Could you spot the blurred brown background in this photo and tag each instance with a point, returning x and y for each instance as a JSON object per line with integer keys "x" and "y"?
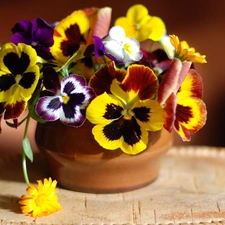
{"x": 200, "y": 22}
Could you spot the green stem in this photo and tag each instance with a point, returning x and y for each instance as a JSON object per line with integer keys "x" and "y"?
{"x": 24, "y": 163}
{"x": 151, "y": 46}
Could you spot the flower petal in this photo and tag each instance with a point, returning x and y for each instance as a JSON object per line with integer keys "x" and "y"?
{"x": 48, "y": 108}
{"x": 170, "y": 109}
{"x": 190, "y": 117}
{"x": 184, "y": 52}
{"x": 13, "y": 111}
{"x": 169, "y": 81}
{"x": 192, "y": 86}
{"x": 140, "y": 80}
{"x": 121, "y": 133}
{"x": 102, "y": 79}
{"x": 99, "y": 22}
{"x": 51, "y": 79}
{"x": 43, "y": 201}
{"x": 103, "y": 109}
{"x": 150, "y": 115}
{"x": 69, "y": 34}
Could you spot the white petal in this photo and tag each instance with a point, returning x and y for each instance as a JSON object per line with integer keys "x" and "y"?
{"x": 115, "y": 49}
{"x": 117, "y": 33}
{"x": 45, "y": 108}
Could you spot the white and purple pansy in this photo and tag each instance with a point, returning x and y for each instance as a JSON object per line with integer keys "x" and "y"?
{"x": 67, "y": 101}
{"x": 124, "y": 49}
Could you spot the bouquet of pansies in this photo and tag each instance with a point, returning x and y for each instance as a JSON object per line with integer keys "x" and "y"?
{"x": 126, "y": 79}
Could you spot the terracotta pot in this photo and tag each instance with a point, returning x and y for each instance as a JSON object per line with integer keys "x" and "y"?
{"x": 78, "y": 162}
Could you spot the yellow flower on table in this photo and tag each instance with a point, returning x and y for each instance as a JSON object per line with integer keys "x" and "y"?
{"x": 42, "y": 201}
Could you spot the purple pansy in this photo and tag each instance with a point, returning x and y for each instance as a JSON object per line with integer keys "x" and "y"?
{"x": 38, "y": 34}
{"x": 66, "y": 101}
{"x": 99, "y": 50}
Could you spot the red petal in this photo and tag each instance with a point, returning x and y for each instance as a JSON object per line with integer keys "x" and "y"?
{"x": 170, "y": 109}
{"x": 192, "y": 86}
{"x": 100, "y": 20}
{"x": 169, "y": 81}
{"x": 140, "y": 79}
{"x": 183, "y": 73}
{"x": 102, "y": 79}
{"x": 15, "y": 110}
{"x": 190, "y": 117}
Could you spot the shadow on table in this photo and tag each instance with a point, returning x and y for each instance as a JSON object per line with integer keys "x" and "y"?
{"x": 10, "y": 203}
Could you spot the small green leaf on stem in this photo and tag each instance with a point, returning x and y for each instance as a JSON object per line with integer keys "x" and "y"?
{"x": 27, "y": 149}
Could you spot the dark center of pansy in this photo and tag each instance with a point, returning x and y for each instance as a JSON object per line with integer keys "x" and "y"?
{"x": 183, "y": 115}
{"x": 27, "y": 80}
{"x": 129, "y": 129}
{"x": 15, "y": 64}
{"x": 142, "y": 113}
{"x": 6, "y": 81}
{"x": 113, "y": 111}
{"x": 74, "y": 39}
{"x": 54, "y": 104}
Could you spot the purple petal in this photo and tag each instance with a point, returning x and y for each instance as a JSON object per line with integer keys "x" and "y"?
{"x": 99, "y": 47}
{"x": 75, "y": 120}
{"x": 42, "y": 32}
{"x": 48, "y": 108}
{"x": 23, "y": 25}
{"x": 20, "y": 38}
{"x": 73, "y": 84}
{"x": 22, "y": 32}
{"x": 43, "y": 52}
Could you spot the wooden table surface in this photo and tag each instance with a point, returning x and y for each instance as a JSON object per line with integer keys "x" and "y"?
{"x": 189, "y": 190}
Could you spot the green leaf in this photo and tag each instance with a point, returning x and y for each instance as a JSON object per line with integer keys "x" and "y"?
{"x": 31, "y": 107}
{"x": 12, "y": 124}
{"x": 27, "y": 149}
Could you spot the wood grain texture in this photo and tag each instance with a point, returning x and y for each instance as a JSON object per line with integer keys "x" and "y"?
{"x": 189, "y": 190}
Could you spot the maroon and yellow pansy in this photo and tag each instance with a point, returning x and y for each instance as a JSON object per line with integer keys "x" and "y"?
{"x": 185, "y": 109}
{"x": 19, "y": 75}
{"x": 126, "y": 110}
{"x": 190, "y": 109}
{"x": 69, "y": 34}
{"x": 77, "y": 30}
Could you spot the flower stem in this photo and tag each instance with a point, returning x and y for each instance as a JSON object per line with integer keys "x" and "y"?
{"x": 24, "y": 163}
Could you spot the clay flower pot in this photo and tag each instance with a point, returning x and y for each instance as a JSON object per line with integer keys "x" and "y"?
{"x": 79, "y": 163}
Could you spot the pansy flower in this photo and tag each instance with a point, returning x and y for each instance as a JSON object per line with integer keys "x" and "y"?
{"x": 69, "y": 34}
{"x": 190, "y": 110}
{"x": 19, "y": 76}
{"x": 38, "y": 34}
{"x": 124, "y": 49}
{"x": 180, "y": 93}
{"x": 124, "y": 114}
{"x": 140, "y": 25}
{"x": 76, "y": 30}
{"x": 67, "y": 100}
